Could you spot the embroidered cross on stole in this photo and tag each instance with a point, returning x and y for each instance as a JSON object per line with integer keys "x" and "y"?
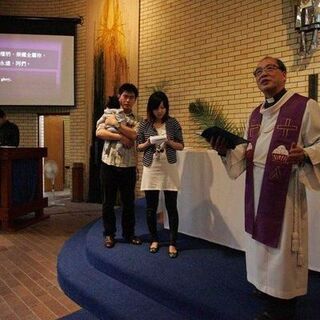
{"x": 266, "y": 225}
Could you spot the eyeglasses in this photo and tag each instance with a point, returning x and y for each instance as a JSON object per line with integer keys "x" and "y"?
{"x": 128, "y": 96}
{"x": 268, "y": 69}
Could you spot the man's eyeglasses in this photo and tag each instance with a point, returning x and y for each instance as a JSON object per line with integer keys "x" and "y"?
{"x": 268, "y": 69}
{"x": 128, "y": 96}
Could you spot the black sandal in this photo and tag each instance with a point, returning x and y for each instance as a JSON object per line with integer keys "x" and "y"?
{"x": 172, "y": 254}
{"x": 154, "y": 248}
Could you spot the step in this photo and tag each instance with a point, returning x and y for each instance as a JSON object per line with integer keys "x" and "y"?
{"x": 82, "y": 314}
{"x": 103, "y": 296}
{"x": 195, "y": 284}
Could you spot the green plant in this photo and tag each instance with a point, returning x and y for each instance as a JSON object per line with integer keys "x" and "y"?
{"x": 210, "y": 114}
{"x": 160, "y": 86}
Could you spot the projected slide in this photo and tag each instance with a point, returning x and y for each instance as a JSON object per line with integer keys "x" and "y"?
{"x": 36, "y": 70}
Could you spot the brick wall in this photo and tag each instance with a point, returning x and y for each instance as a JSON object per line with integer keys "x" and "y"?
{"x": 204, "y": 48}
{"x": 208, "y": 49}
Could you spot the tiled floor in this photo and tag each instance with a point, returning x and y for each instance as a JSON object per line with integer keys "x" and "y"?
{"x": 28, "y": 276}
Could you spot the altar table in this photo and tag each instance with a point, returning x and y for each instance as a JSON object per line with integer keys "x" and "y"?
{"x": 211, "y": 205}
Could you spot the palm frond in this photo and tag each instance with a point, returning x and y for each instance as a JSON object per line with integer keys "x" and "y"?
{"x": 209, "y": 114}
{"x": 160, "y": 86}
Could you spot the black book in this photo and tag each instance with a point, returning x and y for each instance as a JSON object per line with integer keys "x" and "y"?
{"x": 215, "y": 132}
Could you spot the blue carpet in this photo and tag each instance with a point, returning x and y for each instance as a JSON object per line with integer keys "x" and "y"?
{"x": 79, "y": 315}
{"x": 103, "y": 296}
{"x": 206, "y": 281}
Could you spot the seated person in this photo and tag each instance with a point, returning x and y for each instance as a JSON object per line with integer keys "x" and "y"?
{"x": 9, "y": 132}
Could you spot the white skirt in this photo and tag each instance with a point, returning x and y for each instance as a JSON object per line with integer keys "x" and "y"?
{"x": 161, "y": 175}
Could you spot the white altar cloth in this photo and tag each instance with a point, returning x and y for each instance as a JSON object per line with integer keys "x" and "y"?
{"x": 211, "y": 205}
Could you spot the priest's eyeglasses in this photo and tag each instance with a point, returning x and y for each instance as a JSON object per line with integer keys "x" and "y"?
{"x": 268, "y": 69}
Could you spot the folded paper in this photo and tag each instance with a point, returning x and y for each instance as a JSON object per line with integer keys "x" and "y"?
{"x": 158, "y": 139}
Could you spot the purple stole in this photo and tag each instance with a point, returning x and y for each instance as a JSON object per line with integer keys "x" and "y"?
{"x": 266, "y": 226}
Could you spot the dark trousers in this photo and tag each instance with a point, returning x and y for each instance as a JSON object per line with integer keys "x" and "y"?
{"x": 114, "y": 179}
{"x": 152, "y": 199}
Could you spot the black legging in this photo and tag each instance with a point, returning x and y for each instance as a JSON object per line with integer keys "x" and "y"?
{"x": 152, "y": 199}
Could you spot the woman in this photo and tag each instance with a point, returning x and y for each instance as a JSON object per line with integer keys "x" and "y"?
{"x": 159, "y": 136}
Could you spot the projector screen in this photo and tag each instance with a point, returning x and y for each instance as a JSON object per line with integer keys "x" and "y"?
{"x": 36, "y": 70}
{"x": 37, "y": 61}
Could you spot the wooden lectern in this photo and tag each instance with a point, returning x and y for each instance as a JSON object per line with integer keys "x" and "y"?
{"x": 21, "y": 187}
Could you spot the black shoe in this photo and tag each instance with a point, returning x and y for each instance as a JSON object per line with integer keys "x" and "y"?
{"x": 263, "y": 316}
{"x": 154, "y": 248}
{"x": 134, "y": 240}
{"x": 109, "y": 242}
{"x": 259, "y": 294}
{"x": 172, "y": 254}
{"x": 267, "y": 315}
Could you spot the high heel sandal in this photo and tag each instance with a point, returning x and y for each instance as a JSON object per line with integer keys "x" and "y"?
{"x": 154, "y": 248}
{"x": 173, "y": 254}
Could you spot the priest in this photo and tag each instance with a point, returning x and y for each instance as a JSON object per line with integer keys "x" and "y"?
{"x": 281, "y": 158}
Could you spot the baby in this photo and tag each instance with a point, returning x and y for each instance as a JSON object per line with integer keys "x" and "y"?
{"x": 113, "y": 108}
